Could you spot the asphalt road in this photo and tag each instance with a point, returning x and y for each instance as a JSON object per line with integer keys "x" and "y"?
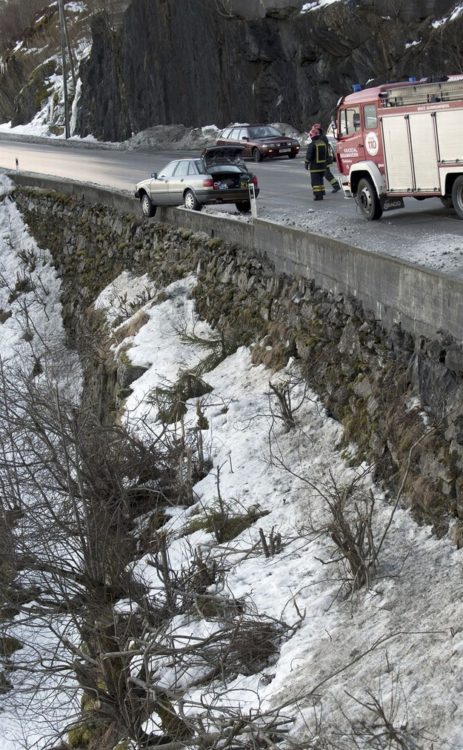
{"x": 423, "y": 232}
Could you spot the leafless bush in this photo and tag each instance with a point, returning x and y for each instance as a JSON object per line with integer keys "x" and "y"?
{"x": 351, "y": 523}
{"x": 385, "y": 725}
{"x": 273, "y": 545}
{"x": 376, "y": 720}
{"x": 219, "y": 345}
{"x": 70, "y": 490}
{"x": 222, "y": 519}
{"x": 170, "y": 400}
{"x": 285, "y": 389}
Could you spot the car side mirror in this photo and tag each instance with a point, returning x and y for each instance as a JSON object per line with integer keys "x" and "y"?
{"x": 283, "y": 133}
{"x": 154, "y": 175}
{"x": 245, "y": 138}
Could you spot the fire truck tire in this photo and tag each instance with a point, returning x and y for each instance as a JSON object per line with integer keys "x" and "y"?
{"x": 457, "y": 196}
{"x": 368, "y": 201}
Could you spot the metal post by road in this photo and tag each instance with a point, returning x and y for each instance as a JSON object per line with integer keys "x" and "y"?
{"x": 63, "y": 59}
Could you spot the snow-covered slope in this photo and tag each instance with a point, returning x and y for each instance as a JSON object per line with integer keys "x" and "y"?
{"x": 379, "y": 667}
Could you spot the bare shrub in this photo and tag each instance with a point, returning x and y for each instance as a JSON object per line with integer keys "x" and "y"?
{"x": 273, "y": 545}
{"x": 219, "y": 345}
{"x": 375, "y": 720}
{"x": 70, "y": 491}
{"x": 170, "y": 400}
{"x": 286, "y": 389}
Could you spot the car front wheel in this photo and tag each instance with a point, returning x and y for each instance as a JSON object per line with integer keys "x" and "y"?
{"x": 243, "y": 207}
{"x": 368, "y": 201}
{"x": 256, "y": 154}
{"x": 146, "y": 206}
{"x": 190, "y": 201}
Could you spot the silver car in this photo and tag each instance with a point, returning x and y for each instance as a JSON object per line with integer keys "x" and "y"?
{"x": 217, "y": 176}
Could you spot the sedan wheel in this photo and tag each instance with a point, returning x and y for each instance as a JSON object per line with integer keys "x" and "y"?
{"x": 146, "y": 206}
{"x": 256, "y": 154}
{"x": 190, "y": 201}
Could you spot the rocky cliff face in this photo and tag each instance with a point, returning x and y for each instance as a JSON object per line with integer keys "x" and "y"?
{"x": 198, "y": 62}
{"x": 201, "y": 62}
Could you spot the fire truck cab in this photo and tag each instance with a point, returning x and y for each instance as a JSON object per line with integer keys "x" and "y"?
{"x": 402, "y": 140}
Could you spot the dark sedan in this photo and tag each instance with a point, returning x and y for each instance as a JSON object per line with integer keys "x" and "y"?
{"x": 259, "y": 141}
{"x": 217, "y": 176}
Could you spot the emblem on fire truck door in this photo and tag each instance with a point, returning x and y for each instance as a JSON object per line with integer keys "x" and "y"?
{"x": 372, "y": 144}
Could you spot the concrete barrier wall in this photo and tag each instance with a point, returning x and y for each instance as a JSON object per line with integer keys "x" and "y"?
{"x": 421, "y": 300}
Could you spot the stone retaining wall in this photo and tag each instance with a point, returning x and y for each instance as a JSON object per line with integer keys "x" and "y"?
{"x": 398, "y": 395}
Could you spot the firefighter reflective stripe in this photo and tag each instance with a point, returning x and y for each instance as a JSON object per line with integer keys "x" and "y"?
{"x": 321, "y": 156}
{"x": 316, "y": 178}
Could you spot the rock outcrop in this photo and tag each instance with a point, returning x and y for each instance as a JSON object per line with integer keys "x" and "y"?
{"x": 198, "y": 62}
{"x": 201, "y": 62}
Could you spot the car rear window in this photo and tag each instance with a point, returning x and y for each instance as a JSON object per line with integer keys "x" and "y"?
{"x": 227, "y": 167}
{"x": 263, "y": 131}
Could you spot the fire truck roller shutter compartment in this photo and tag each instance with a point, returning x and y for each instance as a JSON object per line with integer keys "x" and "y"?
{"x": 397, "y": 154}
{"x": 411, "y": 153}
{"x": 450, "y": 135}
{"x": 424, "y": 150}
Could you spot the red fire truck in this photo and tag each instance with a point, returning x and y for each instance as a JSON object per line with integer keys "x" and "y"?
{"x": 402, "y": 140}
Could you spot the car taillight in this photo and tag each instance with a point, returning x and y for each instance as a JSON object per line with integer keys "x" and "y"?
{"x": 208, "y": 183}
{"x": 254, "y": 180}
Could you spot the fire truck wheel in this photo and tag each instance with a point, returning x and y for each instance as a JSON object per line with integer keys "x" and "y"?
{"x": 367, "y": 199}
{"x": 457, "y": 196}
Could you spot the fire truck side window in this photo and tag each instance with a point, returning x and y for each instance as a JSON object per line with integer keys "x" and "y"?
{"x": 371, "y": 119}
{"x": 349, "y": 121}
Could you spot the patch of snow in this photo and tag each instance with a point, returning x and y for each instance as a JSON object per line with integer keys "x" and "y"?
{"x": 457, "y": 11}
{"x": 396, "y": 641}
{"x": 75, "y": 7}
{"x": 317, "y": 4}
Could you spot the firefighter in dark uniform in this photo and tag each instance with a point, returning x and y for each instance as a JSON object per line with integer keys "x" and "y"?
{"x": 317, "y": 161}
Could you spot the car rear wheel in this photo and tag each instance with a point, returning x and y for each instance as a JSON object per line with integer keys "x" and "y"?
{"x": 146, "y": 206}
{"x": 256, "y": 154}
{"x": 190, "y": 201}
{"x": 368, "y": 201}
{"x": 243, "y": 207}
